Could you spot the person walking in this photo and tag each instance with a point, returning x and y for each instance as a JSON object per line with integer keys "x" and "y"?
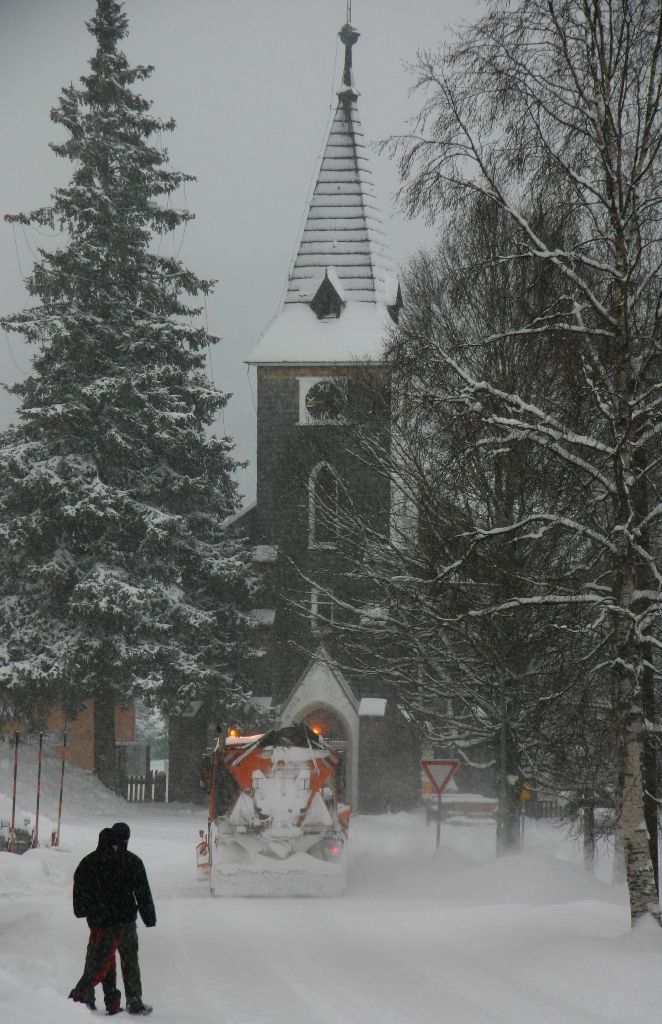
{"x": 96, "y": 882}
{"x": 110, "y": 889}
{"x": 137, "y": 899}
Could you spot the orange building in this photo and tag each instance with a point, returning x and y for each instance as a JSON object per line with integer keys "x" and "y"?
{"x": 80, "y": 732}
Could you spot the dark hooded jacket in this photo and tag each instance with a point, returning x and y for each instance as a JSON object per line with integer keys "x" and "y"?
{"x": 111, "y": 887}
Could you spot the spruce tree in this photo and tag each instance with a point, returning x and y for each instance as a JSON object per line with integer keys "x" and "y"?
{"x": 118, "y": 578}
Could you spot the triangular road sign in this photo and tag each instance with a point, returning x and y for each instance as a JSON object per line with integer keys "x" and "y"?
{"x": 440, "y": 771}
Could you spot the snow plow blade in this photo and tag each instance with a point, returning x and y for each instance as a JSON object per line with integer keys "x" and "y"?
{"x": 284, "y": 833}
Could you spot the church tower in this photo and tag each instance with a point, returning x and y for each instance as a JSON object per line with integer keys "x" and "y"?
{"x": 325, "y": 342}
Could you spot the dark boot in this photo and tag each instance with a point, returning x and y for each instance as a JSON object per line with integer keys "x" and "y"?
{"x": 137, "y": 1007}
{"x": 79, "y": 996}
{"x": 112, "y": 997}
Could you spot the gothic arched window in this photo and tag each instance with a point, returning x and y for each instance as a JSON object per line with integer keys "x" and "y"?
{"x": 323, "y": 507}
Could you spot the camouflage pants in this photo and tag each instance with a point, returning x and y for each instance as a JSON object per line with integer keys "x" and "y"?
{"x": 100, "y": 968}
{"x": 128, "y": 951}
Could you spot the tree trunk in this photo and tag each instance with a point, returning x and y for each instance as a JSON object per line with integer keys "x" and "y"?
{"x": 618, "y": 876}
{"x": 588, "y": 833}
{"x": 629, "y": 653}
{"x": 507, "y": 825}
{"x": 646, "y": 581}
{"x": 508, "y": 820}
{"x": 638, "y": 863}
{"x": 649, "y": 770}
{"x": 105, "y": 763}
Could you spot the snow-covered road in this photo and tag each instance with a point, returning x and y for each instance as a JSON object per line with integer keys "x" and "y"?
{"x": 457, "y": 938}
{"x": 416, "y": 938}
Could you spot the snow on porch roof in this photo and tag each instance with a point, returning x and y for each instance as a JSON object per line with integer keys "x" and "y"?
{"x": 261, "y": 616}
{"x": 373, "y": 707}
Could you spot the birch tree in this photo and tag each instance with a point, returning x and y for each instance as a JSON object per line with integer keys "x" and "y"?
{"x": 476, "y": 684}
{"x": 544, "y": 104}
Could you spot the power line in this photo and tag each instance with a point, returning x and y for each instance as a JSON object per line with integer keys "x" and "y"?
{"x": 18, "y": 256}
{"x": 250, "y": 385}
{"x": 20, "y": 369}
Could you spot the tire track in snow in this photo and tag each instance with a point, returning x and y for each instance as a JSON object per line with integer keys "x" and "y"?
{"x": 204, "y": 981}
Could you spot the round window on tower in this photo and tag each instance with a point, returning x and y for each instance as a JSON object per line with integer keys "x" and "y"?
{"x": 324, "y": 401}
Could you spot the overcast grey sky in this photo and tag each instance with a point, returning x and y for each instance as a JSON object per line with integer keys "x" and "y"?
{"x": 250, "y": 84}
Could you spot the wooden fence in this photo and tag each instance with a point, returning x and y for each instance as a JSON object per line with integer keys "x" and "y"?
{"x": 147, "y": 788}
{"x": 543, "y": 807}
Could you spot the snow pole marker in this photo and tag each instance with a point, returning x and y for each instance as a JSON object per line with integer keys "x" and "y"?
{"x": 35, "y": 834}
{"x": 55, "y": 837}
{"x": 11, "y": 841}
{"x": 524, "y": 796}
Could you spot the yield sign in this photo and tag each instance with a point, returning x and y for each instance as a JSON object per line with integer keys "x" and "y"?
{"x": 440, "y": 771}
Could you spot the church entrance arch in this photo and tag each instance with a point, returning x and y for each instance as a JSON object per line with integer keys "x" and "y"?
{"x": 324, "y": 722}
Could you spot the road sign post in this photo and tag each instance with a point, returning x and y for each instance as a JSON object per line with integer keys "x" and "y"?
{"x": 525, "y": 794}
{"x": 440, "y": 771}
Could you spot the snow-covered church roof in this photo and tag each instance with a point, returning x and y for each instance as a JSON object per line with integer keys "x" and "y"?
{"x": 342, "y": 289}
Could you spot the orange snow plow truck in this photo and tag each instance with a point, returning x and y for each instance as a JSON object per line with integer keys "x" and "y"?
{"x": 275, "y": 825}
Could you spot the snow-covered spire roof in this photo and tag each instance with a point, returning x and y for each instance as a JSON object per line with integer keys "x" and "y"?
{"x": 342, "y": 258}
{"x": 343, "y": 229}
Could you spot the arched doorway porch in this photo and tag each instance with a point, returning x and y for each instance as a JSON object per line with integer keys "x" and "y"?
{"x": 324, "y": 722}
{"x": 322, "y": 699}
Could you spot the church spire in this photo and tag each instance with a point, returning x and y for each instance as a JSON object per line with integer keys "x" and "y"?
{"x": 342, "y": 269}
{"x": 343, "y": 231}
